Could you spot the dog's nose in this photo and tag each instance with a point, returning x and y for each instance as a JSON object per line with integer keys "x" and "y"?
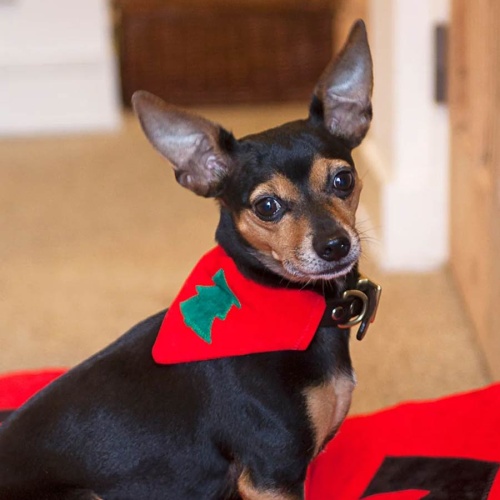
{"x": 333, "y": 249}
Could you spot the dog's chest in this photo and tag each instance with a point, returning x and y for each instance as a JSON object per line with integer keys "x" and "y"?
{"x": 327, "y": 406}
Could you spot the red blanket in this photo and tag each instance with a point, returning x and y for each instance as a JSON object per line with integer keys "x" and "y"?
{"x": 448, "y": 449}
{"x": 16, "y": 388}
{"x": 443, "y": 449}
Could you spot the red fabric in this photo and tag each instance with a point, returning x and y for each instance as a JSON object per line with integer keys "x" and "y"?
{"x": 16, "y": 388}
{"x": 269, "y": 319}
{"x": 466, "y": 426}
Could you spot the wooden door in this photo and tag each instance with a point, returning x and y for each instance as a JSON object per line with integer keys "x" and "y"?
{"x": 474, "y": 95}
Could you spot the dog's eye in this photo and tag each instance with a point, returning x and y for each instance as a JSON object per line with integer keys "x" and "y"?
{"x": 343, "y": 181}
{"x": 268, "y": 209}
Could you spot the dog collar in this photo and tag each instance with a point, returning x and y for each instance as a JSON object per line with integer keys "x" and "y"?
{"x": 220, "y": 313}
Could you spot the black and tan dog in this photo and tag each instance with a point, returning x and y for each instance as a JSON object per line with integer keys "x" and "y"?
{"x": 122, "y": 426}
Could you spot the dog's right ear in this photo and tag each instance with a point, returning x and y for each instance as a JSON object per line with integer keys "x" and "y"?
{"x": 191, "y": 143}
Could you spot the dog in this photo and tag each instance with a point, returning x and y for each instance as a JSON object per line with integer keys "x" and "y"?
{"x": 161, "y": 413}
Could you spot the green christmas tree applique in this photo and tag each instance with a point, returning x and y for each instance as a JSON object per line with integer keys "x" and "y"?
{"x": 210, "y": 302}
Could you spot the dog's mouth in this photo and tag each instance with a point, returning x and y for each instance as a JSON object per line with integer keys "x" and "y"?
{"x": 298, "y": 273}
{"x": 334, "y": 272}
{"x": 303, "y": 265}
{"x": 306, "y": 272}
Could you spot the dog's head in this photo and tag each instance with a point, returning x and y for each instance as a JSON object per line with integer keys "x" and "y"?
{"x": 288, "y": 195}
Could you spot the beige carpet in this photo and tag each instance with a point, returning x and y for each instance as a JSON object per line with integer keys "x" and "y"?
{"x": 95, "y": 234}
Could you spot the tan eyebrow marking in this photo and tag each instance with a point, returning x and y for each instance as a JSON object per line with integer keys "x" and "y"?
{"x": 320, "y": 169}
{"x": 279, "y": 186}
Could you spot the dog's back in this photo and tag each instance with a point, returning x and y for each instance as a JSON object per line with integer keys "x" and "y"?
{"x": 133, "y": 429}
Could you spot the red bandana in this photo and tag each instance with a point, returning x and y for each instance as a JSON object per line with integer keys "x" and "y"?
{"x": 220, "y": 313}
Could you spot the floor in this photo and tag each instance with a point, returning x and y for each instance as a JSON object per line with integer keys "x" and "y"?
{"x": 96, "y": 234}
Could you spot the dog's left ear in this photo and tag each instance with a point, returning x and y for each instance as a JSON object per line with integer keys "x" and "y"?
{"x": 191, "y": 143}
{"x": 345, "y": 89}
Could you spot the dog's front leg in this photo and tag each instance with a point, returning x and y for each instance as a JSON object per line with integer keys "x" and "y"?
{"x": 249, "y": 490}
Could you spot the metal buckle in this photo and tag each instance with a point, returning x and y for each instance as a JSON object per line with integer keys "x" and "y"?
{"x": 369, "y": 294}
{"x": 359, "y": 317}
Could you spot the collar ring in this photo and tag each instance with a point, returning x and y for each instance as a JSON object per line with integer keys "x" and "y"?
{"x": 364, "y": 308}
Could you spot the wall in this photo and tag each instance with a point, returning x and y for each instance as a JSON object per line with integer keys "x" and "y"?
{"x": 57, "y": 71}
{"x": 406, "y": 151}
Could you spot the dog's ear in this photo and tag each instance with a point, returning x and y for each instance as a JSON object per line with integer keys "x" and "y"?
{"x": 191, "y": 143}
{"x": 345, "y": 89}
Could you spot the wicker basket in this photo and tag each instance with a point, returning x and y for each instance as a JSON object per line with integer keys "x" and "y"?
{"x": 216, "y": 52}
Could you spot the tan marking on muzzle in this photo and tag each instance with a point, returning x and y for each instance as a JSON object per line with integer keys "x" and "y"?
{"x": 281, "y": 237}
